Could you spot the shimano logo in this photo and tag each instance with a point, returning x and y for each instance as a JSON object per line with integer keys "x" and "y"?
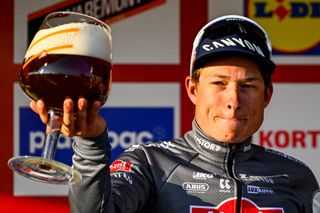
{"x": 206, "y": 144}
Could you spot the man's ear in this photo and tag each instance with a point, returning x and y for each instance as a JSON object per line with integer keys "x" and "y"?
{"x": 191, "y": 88}
{"x": 268, "y": 94}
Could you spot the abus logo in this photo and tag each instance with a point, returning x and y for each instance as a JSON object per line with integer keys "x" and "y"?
{"x": 195, "y": 187}
{"x": 282, "y": 18}
{"x": 247, "y": 206}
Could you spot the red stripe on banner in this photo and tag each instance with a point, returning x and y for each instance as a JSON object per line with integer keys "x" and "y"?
{"x": 297, "y": 73}
{"x": 193, "y": 15}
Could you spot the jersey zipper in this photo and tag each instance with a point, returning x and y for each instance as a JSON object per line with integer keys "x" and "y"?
{"x": 231, "y": 171}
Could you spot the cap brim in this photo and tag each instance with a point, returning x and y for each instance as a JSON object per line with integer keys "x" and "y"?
{"x": 266, "y": 65}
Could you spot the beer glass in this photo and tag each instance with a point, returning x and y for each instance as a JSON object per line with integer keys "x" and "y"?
{"x": 69, "y": 57}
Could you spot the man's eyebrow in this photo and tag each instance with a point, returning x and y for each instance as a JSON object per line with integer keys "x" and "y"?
{"x": 252, "y": 78}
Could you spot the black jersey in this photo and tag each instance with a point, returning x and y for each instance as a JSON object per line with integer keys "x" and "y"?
{"x": 193, "y": 173}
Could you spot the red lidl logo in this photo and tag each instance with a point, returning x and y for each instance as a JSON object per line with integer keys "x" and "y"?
{"x": 293, "y": 25}
{"x": 247, "y": 206}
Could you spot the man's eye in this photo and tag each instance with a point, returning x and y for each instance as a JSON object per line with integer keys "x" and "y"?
{"x": 218, "y": 83}
{"x": 248, "y": 86}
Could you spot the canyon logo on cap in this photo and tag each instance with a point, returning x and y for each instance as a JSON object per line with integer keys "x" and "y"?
{"x": 232, "y": 34}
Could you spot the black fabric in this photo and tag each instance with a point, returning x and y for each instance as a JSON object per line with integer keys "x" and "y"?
{"x": 193, "y": 173}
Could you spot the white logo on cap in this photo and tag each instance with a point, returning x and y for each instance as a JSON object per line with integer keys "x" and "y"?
{"x": 233, "y": 42}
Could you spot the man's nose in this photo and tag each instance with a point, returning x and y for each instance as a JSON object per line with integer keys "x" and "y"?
{"x": 233, "y": 98}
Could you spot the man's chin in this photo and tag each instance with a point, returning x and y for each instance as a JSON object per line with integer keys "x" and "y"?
{"x": 232, "y": 138}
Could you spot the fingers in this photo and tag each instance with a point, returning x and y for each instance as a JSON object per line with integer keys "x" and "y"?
{"x": 68, "y": 112}
{"x": 74, "y": 124}
{"x": 39, "y": 108}
{"x": 94, "y": 111}
{"x": 86, "y": 121}
{"x": 81, "y": 115}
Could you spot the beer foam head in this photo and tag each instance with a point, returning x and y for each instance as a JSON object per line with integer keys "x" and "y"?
{"x": 72, "y": 38}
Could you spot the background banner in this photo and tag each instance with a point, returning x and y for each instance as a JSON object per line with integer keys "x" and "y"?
{"x": 133, "y": 115}
{"x": 152, "y": 41}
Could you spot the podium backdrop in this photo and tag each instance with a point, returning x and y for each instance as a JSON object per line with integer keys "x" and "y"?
{"x": 152, "y": 41}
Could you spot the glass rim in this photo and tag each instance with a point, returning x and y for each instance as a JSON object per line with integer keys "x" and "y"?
{"x": 53, "y": 14}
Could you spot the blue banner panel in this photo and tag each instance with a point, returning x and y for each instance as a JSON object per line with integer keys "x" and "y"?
{"x": 126, "y": 126}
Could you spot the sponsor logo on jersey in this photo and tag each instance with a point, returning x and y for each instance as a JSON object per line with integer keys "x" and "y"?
{"x": 224, "y": 185}
{"x": 192, "y": 187}
{"x": 163, "y": 145}
{"x": 124, "y": 176}
{"x": 247, "y": 148}
{"x": 247, "y": 206}
{"x": 283, "y": 155}
{"x": 202, "y": 175}
{"x": 252, "y": 178}
{"x": 259, "y": 190}
{"x": 120, "y": 165}
{"x": 207, "y": 144}
{"x": 291, "y": 24}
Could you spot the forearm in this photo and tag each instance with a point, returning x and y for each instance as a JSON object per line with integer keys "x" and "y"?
{"x": 91, "y": 159}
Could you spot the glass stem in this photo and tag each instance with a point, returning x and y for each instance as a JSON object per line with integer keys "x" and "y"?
{"x": 52, "y": 134}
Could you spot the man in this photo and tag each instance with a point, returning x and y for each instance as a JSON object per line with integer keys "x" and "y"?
{"x": 213, "y": 167}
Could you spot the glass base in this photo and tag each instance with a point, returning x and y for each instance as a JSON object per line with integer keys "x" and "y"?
{"x": 44, "y": 170}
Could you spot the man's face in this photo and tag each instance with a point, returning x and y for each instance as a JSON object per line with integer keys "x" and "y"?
{"x": 229, "y": 98}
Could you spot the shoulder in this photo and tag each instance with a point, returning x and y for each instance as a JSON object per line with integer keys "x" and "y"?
{"x": 160, "y": 145}
{"x": 176, "y": 151}
{"x": 176, "y": 145}
{"x": 281, "y": 156}
{"x": 279, "y": 161}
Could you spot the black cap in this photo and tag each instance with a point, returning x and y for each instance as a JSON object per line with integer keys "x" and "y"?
{"x": 232, "y": 34}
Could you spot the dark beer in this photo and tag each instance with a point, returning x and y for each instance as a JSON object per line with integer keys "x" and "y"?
{"x": 69, "y": 57}
{"x": 54, "y": 77}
